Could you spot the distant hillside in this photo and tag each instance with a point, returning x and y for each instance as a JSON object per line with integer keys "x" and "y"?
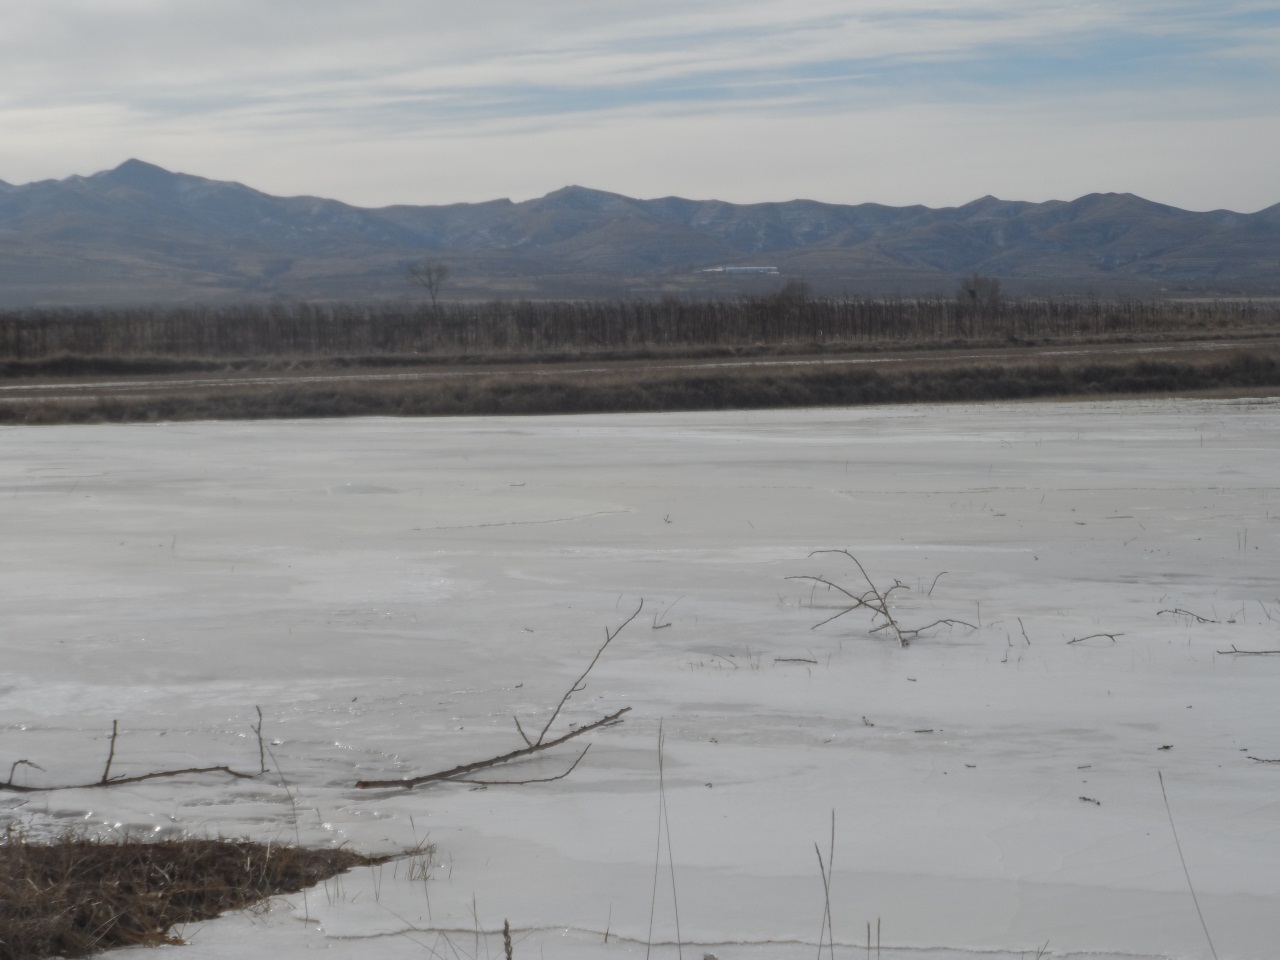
{"x": 139, "y": 233}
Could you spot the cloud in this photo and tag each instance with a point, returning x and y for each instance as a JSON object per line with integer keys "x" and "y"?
{"x": 104, "y": 78}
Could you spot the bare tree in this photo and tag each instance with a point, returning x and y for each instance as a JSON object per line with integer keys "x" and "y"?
{"x": 978, "y": 289}
{"x": 429, "y": 274}
{"x": 794, "y": 291}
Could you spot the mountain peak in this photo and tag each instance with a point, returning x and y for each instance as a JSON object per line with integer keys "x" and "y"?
{"x": 582, "y": 198}
{"x": 137, "y": 173}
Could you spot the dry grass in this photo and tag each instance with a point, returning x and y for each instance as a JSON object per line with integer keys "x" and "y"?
{"x": 75, "y": 896}
{"x": 636, "y": 388}
{"x": 538, "y": 328}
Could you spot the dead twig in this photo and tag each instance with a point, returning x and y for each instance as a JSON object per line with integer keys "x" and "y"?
{"x": 1094, "y": 636}
{"x": 262, "y": 754}
{"x": 1179, "y": 612}
{"x": 946, "y": 620}
{"x": 877, "y": 601}
{"x": 577, "y": 684}
{"x": 22, "y": 763}
{"x": 858, "y": 601}
{"x": 1262, "y": 760}
{"x": 793, "y": 660}
{"x": 1233, "y": 652}
{"x": 119, "y": 781}
{"x": 660, "y": 621}
{"x": 109, "y": 781}
{"x": 458, "y": 771}
{"x": 878, "y": 605}
{"x": 521, "y": 783}
{"x": 531, "y": 746}
{"x": 115, "y": 732}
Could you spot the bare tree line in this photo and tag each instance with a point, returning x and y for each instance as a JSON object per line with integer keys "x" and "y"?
{"x": 544, "y": 327}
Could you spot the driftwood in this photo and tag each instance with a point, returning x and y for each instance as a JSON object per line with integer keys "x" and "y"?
{"x": 106, "y": 780}
{"x": 877, "y": 602}
{"x": 456, "y": 774}
{"x": 1249, "y": 653}
{"x": 532, "y": 746}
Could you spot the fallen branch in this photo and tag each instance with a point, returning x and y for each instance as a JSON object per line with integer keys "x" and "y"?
{"x": 457, "y": 774}
{"x": 1179, "y": 612}
{"x": 107, "y": 780}
{"x": 532, "y": 745}
{"x": 458, "y": 771}
{"x": 1094, "y": 636}
{"x": 521, "y": 783}
{"x": 1263, "y": 760}
{"x": 1233, "y": 652}
{"x": 946, "y": 620}
{"x": 578, "y": 684}
{"x": 877, "y": 602}
{"x": 119, "y": 781}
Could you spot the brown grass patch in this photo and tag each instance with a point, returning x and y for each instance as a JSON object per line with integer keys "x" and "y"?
{"x": 640, "y": 389}
{"x": 75, "y": 896}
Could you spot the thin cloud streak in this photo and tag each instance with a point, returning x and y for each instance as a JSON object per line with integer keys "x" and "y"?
{"x": 243, "y": 82}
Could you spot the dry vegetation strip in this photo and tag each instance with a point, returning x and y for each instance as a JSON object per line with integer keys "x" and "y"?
{"x": 637, "y": 389}
{"x": 545, "y": 329}
{"x": 75, "y": 896}
{"x": 312, "y": 360}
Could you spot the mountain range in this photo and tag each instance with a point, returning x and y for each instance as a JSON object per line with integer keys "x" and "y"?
{"x": 139, "y": 233}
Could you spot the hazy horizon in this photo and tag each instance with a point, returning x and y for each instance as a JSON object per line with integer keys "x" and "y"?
{"x": 599, "y": 189}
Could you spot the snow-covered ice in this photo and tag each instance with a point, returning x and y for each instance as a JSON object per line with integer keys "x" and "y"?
{"x": 392, "y": 592}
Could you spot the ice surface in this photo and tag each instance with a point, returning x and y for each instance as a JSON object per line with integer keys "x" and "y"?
{"x": 392, "y": 592}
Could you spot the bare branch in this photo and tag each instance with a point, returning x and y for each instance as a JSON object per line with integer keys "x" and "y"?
{"x": 1249, "y": 653}
{"x": 262, "y": 757}
{"x": 1092, "y": 636}
{"x": 119, "y": 781}
{"x": 858, "y": 601}
{"x": 882, "y": 603}
{"x": 22, "y": 763}
{"x": 823, "y": 623}
{"x": 1179, "y": 612}
{"x": 577, "y": 684}
{"x": 946, "y": 620}
{"x": 521, "y": 783}
{"x": 109, "y": 781}
{"x": 519, "y": 729}
{"x": 115, "y": 732}
{"x": 466, "y": 768}
{"x": 879, "y": 604}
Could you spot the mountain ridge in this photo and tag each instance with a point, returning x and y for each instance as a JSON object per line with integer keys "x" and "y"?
{"x": 139, "y": 232}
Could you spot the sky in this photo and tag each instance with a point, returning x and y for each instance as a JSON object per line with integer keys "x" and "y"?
{"x": 936, "y": 102}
